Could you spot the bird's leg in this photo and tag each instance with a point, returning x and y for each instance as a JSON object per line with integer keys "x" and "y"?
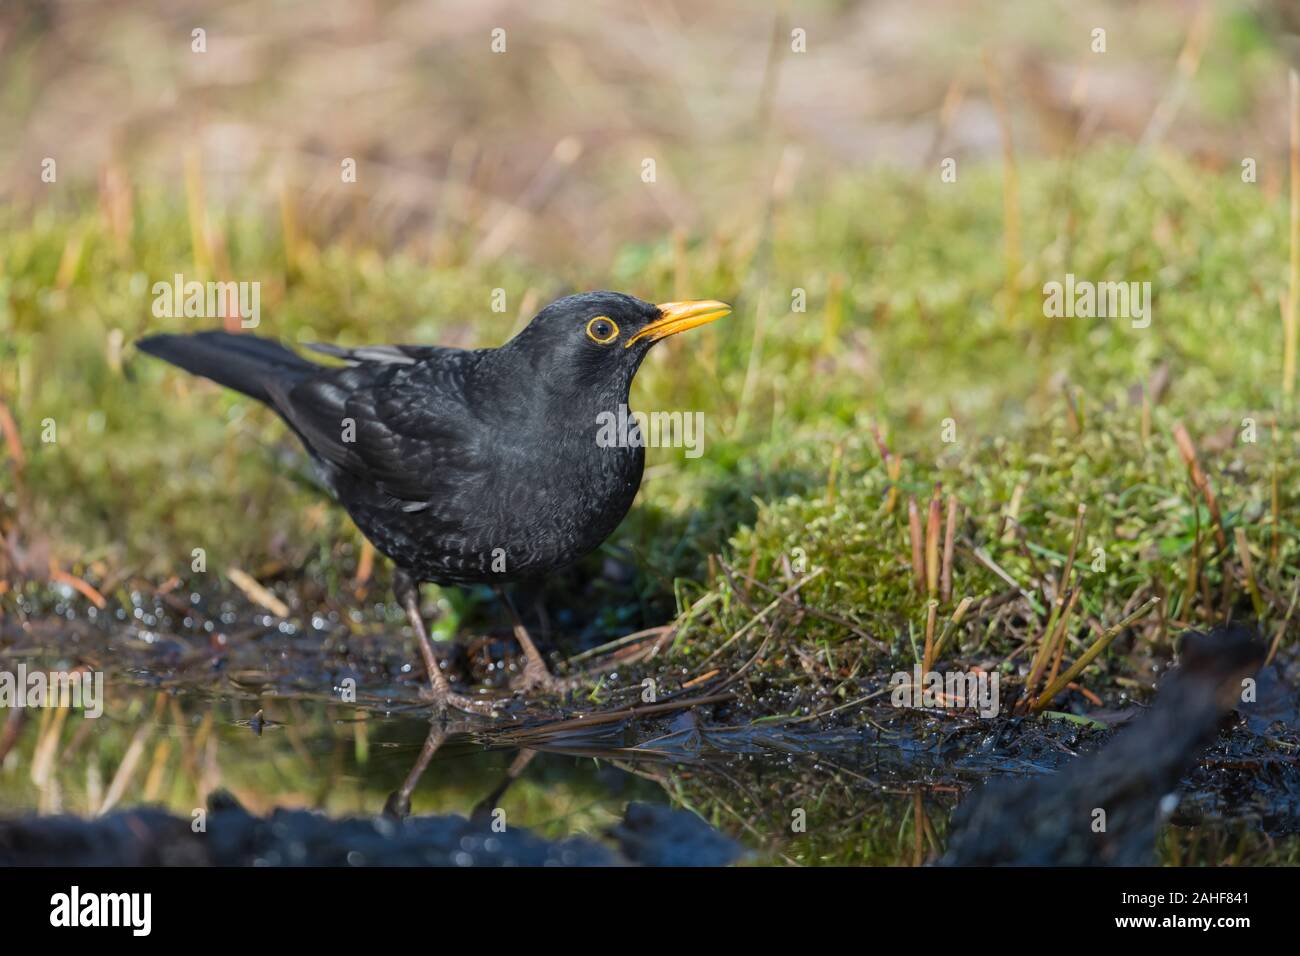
{"x": 439, "y": 689}
{"x": 398, "y": 805}
{"x": 489, "y": 803}
{"x": 407, "y": 593}
{"x": 536, "y": 674}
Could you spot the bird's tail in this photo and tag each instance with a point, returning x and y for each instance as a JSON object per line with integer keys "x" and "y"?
{"x": 245, "y": 363}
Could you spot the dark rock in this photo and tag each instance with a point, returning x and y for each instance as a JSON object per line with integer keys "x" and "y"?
{"x": 650, "y": 836}
{"x": 1127, "y": 787}
{"x": 656, "y": 835}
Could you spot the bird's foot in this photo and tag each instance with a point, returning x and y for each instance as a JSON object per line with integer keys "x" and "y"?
{"x": 447, "y": 699}
{"x": 538, "y": 678}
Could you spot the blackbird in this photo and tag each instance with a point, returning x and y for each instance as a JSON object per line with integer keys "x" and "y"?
{"x": 466, "y": 466}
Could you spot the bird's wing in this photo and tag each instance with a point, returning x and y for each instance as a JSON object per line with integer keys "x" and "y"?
{"x": 405, "y": 428}
{"x": 387, "y": 354}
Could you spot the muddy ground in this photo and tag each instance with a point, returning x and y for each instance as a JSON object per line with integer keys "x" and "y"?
{"x": 767, "y": 766}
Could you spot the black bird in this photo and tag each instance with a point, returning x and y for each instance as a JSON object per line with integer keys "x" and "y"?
{"x": 466, "y": 466}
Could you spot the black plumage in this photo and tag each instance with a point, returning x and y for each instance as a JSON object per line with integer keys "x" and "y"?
{"x": 465, "y": 466}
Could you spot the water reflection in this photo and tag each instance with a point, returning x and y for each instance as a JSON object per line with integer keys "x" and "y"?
{"x": 175, "y": 751}
{"x": 791, "y": 795}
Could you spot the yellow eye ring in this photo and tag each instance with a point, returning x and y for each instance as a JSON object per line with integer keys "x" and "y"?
{"x": 597, "y": 323}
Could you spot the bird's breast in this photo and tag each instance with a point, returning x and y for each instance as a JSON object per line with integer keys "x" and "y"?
{"x": 545, "y": 503}
{"x": 575, "y": 497}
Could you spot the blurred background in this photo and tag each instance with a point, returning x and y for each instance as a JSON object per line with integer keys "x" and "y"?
{"x": 798, "y": 151}
{"x": 536, "y": 151}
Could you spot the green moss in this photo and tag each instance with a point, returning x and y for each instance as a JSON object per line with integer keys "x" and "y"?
{"x": 908, "y": 324}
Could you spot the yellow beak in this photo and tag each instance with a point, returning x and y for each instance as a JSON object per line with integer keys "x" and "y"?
{"x": 677, "y": 317}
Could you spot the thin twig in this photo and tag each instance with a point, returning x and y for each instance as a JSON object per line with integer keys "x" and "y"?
{"x": 1089, "y": 656}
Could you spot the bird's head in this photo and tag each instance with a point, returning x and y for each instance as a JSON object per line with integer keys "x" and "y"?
{"x": 596, "y": 340}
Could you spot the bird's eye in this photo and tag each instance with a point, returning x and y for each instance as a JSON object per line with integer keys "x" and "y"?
{"x": 602, "y": 330}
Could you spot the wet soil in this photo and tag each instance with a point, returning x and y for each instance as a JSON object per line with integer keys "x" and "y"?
{"x": 792, "y": 774}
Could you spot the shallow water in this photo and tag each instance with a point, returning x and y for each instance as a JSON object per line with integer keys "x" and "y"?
{"x": 787, "y": 797}
{"x": 258, "y": 715}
